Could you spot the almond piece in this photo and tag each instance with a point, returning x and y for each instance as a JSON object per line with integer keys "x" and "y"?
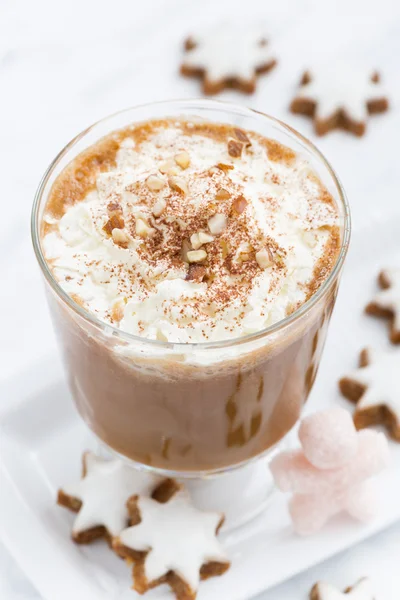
{"x": 195, "y": 241}
{"x": 114, "y": 207}
{"x": 142, "y": 229}
{"x": 224, "y": 167}
{"x": 196, "y": 273}
{"x": 154, "y": 183}
{"x": 224, "y": 248}
{"x": 196, "y": 256}
{"x": 205, "y": 238}
{"x": 169, "y": 168}
{"x": 245, "y": 252}
{"x": 178, "y": 185}
{"x": 239, "y": 204}
{"x": 241, "y": 136}
{"x": 117, "y": 310}
{"x": 217, "y": 223}
{"x": 159, "y": 207}
{"x": 200, "y": 238}
{"x": 120, "y": 237}
{"x": 235, "y": 148}
{"x": 222, "y": 194}
{"x": 186, "y": 247}
{"x": 182, "y": 159}
{"x": 114, "y": 222}
{"x": 264, "y": 259}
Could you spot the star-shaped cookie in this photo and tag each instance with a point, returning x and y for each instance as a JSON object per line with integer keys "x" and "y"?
{"x": 101, "y": 495}
{"x": 227, "y": 58}
{"x": 362, "y": 590}
{"x": 339, "y": 98}
{"x": 174, "y": 543}
{"x": 387, "y": 302}
{"x": 375, "y": 388}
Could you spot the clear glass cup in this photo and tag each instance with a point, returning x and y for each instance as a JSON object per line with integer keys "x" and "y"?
{"x": 192, "y": 409}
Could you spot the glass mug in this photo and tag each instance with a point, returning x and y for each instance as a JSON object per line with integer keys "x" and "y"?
{"x": 192, "y": 409}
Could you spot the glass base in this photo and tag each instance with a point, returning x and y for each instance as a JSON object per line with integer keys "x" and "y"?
{"x": 241, "y": 493}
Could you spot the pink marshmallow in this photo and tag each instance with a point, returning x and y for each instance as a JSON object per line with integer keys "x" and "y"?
{"x": 328, "y": 438}
{"x": 328, "y": 475}
{"x": 293, "y": 472}
{"x": 310, "y": 512}
{"x": 362, "y": 501}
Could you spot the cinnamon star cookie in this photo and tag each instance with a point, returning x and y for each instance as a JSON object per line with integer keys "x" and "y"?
{"x": 375, "y": 388}
{"x": 227, "y": 58}
{"x": 387, "y": 302}
{"x": 100, "y": 496}
{"x": 339, "y": 99}
{"x": 172, "y": 543}
{"x": 362, "y": 590}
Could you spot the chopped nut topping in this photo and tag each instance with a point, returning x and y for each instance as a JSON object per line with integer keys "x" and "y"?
{"x": 205, "y": 238}
{"x": 114, "y": 222}
{"x": 242, "y": 137}
{"x": 159, "y": 207}
{"x": 235, "y": 148}
{"x": 224, "y": 167}
{"x": 264, "y": 258}
{"x": 178, "y": 185}
{"x": 117, "y": 310}
{"x": 217, "y": 223}
{"x": 182, "y": 159}
{"x": 245, "y": 252}
{"x": 114, "y": 207}
{"x": 142, "y": 229}
{"x": 196, "y": 273}
{"x": 186, "y": 247}
{"x": 239, "y": 204}
{"x": 222, "y": 194}
{"x": 200, "y": 238}
{"x": 195, "y": 241}
{"x": 196, "y": 256}
{"x": 279, "y": 257}
{"x": 169, "y": 168}
{"x": 224, "y": 248}
{"x": 154, "y": 183}
{"x": 120, "y": 237}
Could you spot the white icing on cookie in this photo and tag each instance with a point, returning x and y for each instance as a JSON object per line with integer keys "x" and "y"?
{"x": 361, "y": 591}
{"x": 382, "y": 381}
{"x": 389, "y": 299}
{"x": 229, "y": 53}
{"x": 104, "y": 492}
{"x": 178, "y": 536}
{"x": 339, "y": 89}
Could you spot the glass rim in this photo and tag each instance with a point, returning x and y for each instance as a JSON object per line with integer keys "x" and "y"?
{"x": 129, "y": 337}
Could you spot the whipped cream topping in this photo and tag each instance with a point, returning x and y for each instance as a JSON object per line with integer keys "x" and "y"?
{"x": 195, "y": 234}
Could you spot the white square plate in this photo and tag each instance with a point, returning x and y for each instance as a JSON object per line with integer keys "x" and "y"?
{"x": 42, "y": 440}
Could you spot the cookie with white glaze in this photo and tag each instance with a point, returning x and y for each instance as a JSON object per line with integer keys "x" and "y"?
{"x": 386, "y": 303}
{"x": 227, "y": 58}
{"x": 340, "y": 98}
{"x": 100, "y": 497}
{"x": 362, "y": 590}
{"x": 172, "y": 543}
{"x": 375, "y": 389}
